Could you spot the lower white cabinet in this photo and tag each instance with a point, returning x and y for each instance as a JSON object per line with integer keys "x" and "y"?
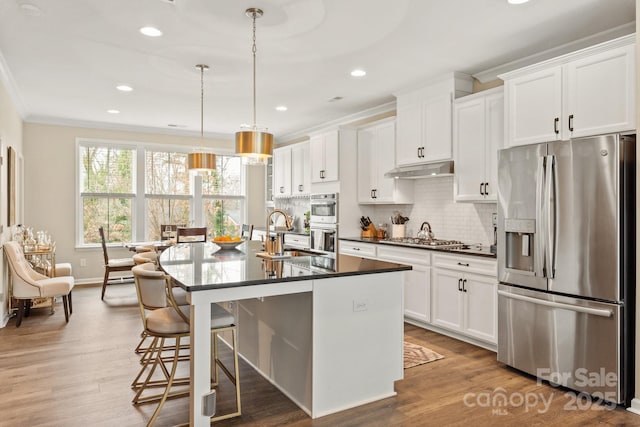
{"x": 298, "y": 241}
{"x": 417, "y": 282}
{"x": 359, "y": 249}
{"x": 464, "y": 296}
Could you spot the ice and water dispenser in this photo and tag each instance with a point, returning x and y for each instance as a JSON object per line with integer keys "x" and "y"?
{"x": 519, "y": 235}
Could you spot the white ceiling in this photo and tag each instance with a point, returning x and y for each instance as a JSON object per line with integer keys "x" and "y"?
{"x": 62, "y": 59}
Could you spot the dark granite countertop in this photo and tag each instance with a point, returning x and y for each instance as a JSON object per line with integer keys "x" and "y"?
{"x": 200, "y": 266}
{"x": 477, "y": 250}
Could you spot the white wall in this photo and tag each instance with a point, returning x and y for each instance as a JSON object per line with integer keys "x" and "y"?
{"x": 10, "y": 135}
{"x": 468, "y": 222}
{"x": 49, "y": 162}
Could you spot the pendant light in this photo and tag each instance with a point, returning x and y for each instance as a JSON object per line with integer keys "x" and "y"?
{"x": 254, "y": 143}
{"x": 201, "y": 161}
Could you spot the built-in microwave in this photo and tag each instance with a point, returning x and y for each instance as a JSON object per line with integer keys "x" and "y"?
{"x": 324, "y": 208}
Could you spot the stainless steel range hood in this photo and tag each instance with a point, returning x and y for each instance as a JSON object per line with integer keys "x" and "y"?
{"x": 430, "y": 170}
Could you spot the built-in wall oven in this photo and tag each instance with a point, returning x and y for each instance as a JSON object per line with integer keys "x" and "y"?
{"x": 324, "y": 223}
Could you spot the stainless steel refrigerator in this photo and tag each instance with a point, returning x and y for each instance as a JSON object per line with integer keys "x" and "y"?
{"x": 566, "y": 263}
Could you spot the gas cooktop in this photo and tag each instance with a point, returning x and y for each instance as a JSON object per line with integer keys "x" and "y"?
{"x": 433, "y": 243}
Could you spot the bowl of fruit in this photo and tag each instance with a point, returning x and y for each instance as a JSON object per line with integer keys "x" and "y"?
{"x": 227, "y": 242}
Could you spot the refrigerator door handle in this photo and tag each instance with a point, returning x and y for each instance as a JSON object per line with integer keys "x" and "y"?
{"x": 551, "y": 192}
{"x": 539, "y": 250}
{"x": 553, "y": 304}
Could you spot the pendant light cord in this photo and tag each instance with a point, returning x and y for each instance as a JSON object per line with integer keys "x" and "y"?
{"x": 254, "y": 49}
{"x": 202, "y": 102}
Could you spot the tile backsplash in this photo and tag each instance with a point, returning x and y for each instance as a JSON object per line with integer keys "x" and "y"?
{"x": 433, "y": 202}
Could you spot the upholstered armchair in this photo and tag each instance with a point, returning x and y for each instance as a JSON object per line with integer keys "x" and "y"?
{"x": 28, "y": 284}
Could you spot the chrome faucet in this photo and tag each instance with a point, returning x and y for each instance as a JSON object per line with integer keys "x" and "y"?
{"x": 277, "y": 246}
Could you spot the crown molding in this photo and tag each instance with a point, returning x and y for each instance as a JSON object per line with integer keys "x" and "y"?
{"x": 493, "y": 73}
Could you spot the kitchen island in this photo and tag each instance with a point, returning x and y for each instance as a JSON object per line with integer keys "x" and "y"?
{"x": 327, "y": 332}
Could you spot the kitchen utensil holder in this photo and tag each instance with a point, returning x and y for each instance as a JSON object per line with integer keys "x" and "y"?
{"x": 369, "y": 232}
{"x": 398, "y": 231}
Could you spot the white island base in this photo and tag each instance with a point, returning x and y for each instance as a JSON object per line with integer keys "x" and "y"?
{"x": 328, "y": 344}
{"x": 331, "y": 349}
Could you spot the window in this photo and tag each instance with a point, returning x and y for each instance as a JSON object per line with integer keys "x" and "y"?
{"x": 107, "y": 183}
{"x": 167, "y": 191}
{"x": 223, "y": 197}
{"x": 132, "y": 189}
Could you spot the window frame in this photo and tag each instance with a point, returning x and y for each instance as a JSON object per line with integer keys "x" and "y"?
{"x": 139, "y": 197}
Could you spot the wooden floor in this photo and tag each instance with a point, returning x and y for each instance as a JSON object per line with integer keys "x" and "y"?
{"x": 78, "y": 374}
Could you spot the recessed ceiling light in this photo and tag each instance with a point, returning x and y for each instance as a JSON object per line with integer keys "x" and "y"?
{"x": 151, "y": 31}
{"x": 281, "y": 108}
{"x": 358, "y": 73}
{"x": 517, "y": 1}
{"x": 113, "y": 111}
{"x": 124, "y": 88}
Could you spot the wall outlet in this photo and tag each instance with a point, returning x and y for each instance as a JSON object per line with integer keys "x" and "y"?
{"x": 83, "y": 262}
{"x": 494, "y": 219}
{"x": 360, "y": 305}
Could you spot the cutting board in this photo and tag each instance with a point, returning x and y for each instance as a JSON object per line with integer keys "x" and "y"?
{"x": 267, "y": 255}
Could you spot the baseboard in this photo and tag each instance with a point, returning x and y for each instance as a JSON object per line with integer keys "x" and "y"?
{"x": 635, "y": 406}
{"x": 442, "y": 331}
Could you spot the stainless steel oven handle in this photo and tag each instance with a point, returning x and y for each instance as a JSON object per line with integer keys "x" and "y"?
{"x": 553, "y": 304}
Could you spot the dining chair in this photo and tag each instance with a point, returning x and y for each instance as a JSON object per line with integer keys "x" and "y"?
{"x": 168, "y": 231}
{"x": 112, "y": 265}
{"x": 163, "y": 319}
{"x": 144, "y": 257}
{"x": 246, "y": 232}
{"x": 191, "y": 234}
{"x": 28, "y": 284}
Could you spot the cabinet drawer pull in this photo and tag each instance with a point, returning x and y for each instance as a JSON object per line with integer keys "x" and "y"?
{"x": 356, "y": 249}
{"x": 464, "y": 264}
{"x": 282, "y": 189}
{"x": 486, "y": 188}
{"x": 460, "y": 285}
{"x": 571, "y": 122}
{"x": 300, "y": 188}
{"x": 464, "y": 285}
{"x": 555, "y": 125}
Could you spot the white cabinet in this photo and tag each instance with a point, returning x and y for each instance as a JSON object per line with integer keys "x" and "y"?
{"x": 424, "y": 121}
{"x": 300, "y": 173}
{"x": 588, "y": 92}
{"x": 324, "y": 157}
{"x": 478, "y": 131}
{"x": 291, "y": 175}
{"x": 417, "y": 282}
{"x": 358, "y": 249}
{"x": 282, "y": 172}
{"x": 376, "y": 156}
{"x": 464, "y": 296}
{"x": 297, "y": 241}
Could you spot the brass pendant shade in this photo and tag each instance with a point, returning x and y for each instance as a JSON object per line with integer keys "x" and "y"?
{"x": 254, "y": 143}
{"x": 201, "y": 161}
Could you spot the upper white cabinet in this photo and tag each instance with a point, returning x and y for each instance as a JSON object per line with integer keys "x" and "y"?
{"x": 282, "y": 172}
{"x": 376, "y": 156}
{"x": 588, "y": 92}
{"x": 300, "y": 173}
{"x": 478, "y": 129}
{"x": 291, "y": 175}
{"x": 424, "y": 120}
{"x": 324, "y": 157}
